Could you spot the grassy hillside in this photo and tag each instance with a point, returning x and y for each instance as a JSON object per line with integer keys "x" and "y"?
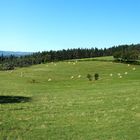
{"x": 43, "y": 102}
{"x": 104, "y": 58}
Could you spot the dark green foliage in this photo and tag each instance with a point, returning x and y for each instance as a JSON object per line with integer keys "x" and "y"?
{"x": 90, "y": 77}
{"x": 96, "y": 76}
{"x": 7, "y": 66}
{"x": 13, "y": 99}
{"x": 33, "y": 81}
{"x": 127, "y": 53}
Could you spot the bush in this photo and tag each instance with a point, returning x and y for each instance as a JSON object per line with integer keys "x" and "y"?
{"x": 90, "y": 77}
{"x": 33, "y": 81}
{"x": 7, "y": 66}
{"x": 96, "y": 76}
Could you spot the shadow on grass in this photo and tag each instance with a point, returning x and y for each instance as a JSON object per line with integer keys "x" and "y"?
{"x": 14, "y": 99}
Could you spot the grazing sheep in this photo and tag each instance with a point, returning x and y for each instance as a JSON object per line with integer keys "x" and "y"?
{"x": 71, "y": 77}
{"x": 134, "y": 68}
{"x": 111, "y": 74}
{"x": 126, "y": 73}
{"x": 79, "y": 76}
{"x": 128, "y": 65}
{"x": 49, "y": 79}
{"x": 119, "y": 74}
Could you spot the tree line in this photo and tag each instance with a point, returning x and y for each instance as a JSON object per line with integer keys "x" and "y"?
{"x": 127, "y": 53}
{"x": 120, "y": 53}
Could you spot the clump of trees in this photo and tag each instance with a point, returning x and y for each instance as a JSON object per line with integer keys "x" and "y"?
{"x": 90, "y": 77}
{"x": 127, "y": 53}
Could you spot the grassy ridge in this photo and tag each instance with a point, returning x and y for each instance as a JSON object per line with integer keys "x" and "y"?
{"x": 66, "y": 108}
{"x": 104, "y": 58}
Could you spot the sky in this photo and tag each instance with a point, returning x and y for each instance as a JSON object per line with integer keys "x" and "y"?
{"x": 42, "y": 25}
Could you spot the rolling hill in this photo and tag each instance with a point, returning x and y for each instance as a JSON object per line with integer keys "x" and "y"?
{"x": 44, "y": 102}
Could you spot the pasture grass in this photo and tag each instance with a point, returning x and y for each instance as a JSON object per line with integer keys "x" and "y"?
{"x": 103, "y": 58}
{"x": 71, "y": 109}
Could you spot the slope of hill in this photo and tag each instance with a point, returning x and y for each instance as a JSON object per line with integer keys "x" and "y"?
{"x": 56, "y": 101}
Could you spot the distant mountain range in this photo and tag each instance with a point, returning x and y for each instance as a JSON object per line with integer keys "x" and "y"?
{"x": 8, "y": 53}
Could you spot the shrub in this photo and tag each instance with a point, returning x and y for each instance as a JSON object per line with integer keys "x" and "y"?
{"x": 96, "y": 76}
{"x": 90, "y": 77}
{"x": 33, "y": 81}
{"x": 7, "y": 66}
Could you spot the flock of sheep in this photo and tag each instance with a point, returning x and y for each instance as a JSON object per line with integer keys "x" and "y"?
{"x": 120, "y": 75}
{"x": 79, "y": 76}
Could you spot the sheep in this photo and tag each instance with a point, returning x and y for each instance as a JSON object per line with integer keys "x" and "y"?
{"x": 126, "y": 73}
{"x": 119, "y": 74}
{"x": 79, "y": 76}
{"x": 134, "y": 68}
{"x": 49, "y": 79}
{"x": 71, "y": 77}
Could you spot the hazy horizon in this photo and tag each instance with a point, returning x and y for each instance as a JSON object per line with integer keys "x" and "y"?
{"x": 32, "y": 25}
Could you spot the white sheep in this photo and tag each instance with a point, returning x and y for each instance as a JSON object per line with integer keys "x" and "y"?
{"x": 126, "y": 73}
{"x": 71, "y": 77}
{"x": 79, "y": 76}
{"x": 119, "y": 74}
{"x": 49, "y": 79}
{"x": 134, "y": 68}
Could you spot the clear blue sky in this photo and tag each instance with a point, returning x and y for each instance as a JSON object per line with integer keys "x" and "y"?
{"x": 38, "y": 25}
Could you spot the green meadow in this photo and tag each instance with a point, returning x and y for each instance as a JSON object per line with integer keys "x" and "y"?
{"x": 55, "y": 101}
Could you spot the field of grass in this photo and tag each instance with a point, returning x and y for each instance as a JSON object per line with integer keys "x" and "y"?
{"x": 104, "y": 58}
{"x": 109, "y": 58}
{"x": 33, "y": 108}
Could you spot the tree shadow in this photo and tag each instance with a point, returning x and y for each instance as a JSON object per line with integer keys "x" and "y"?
{"x": 14, "y": 99}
